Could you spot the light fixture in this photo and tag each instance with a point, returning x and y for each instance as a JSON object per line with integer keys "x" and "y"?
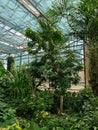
{"x": 27, "y": 4}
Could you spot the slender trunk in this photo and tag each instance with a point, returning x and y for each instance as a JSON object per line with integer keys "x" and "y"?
{"x": 61, "y": 104}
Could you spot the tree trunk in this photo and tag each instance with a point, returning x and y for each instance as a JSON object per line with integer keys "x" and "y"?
{"x": 61, "y": 104}
{"x": 93, "y": 71}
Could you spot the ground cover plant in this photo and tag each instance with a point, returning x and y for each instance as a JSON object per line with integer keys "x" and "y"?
{"x": 40, "y": 110}
{"x": 80, "y": 112}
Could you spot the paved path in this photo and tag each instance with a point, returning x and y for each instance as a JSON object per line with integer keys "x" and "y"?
{"x": 76, "y": 88}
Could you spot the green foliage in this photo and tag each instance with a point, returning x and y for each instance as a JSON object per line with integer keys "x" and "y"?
{"x": 5, "y": 81}
{"x": 81, "y": 102}
{"x": 25, "y": 107}
{"x": 1, "y": 64}
{"x": 17, "y": 85}
{"x": 20, "y": 84}
{"x": 89, "y": 28}
{"x": 53, "y": 65}
{"x": 76, "y": 102}
{"x": 7, "y": 112}
{"x": 81, "y": 112}
{"x": 48, "y": 100}
{"x": 29, "y": 106}
{"x": 57, "y": 65}
{"x": 82, "y": 18}
{"x": 14, "y": 126}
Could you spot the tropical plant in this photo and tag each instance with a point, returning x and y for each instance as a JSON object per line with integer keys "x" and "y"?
{"x": 82, "y": 19}
{"x": 57, "y": 64}
{"x": 7, "y": 112}
{"x": 5, "y": 80}
{"x": 31, "y": 105}
{"x": 20, "y": 85}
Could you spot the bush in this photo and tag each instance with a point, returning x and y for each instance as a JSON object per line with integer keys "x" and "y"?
{"x": 83, "y": 101}
{"x": 29, "y": 106}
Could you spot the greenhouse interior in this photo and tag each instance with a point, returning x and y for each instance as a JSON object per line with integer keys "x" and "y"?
{"x": 48, "y": 65}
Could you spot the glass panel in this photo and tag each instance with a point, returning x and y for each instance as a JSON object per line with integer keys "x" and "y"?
{"x": 7, "y": 36}
{"x": 16, "y": 16}
{"x": 63, "y": 26}
{"x": 43, "y": 5}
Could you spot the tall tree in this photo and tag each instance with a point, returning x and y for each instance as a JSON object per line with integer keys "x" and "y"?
{"x": 82, "y": 18}
{"x": 54, "y": 62}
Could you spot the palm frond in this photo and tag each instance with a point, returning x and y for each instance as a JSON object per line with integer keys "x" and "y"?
{"x": 57, "y": 11}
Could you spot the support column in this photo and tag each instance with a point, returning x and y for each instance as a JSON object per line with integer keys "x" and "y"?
{"x": 20, "y": 58}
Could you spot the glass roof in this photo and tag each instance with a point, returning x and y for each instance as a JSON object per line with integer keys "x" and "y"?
{"x": 13, "y": 14}
{"x": 14, "y": 19}
{"x": 16, "y": 16}
{"x": 42, "y": 5}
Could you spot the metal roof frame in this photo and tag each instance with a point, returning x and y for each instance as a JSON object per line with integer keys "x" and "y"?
{"x": 16, "y": 16}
